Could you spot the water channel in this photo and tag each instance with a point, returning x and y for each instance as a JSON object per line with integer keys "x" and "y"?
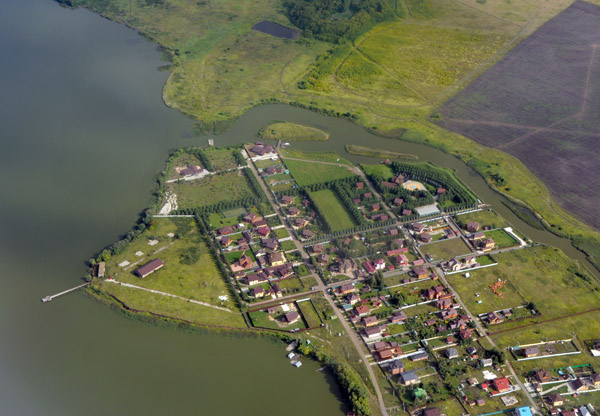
{"x": 84, "y": 131}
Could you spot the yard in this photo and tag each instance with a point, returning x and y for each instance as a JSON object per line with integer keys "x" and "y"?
{"x": 221, "y": 158}
{"x": 332, "y": 208}
{"x": 501, "y": 238}
{"x": 307, "y": 173}
{"x": 384, "y": 171}
{"x": 212, "y": 189}
{"x": 309, "y": 314}
{"x": 446, "y": 249}
{"x": 484, "y": 218}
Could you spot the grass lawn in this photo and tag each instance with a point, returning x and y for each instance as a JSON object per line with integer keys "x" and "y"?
{"x": 265, "y": 163}
{"x": 318, "y": 156}
{"x": 172, "y": 307}
{"x": 307, "y": 173}
{"x": 540, "y": 274}
{"x": 288, "y": 245}
{"x": 184, "y": 159}
{"x": 281, "y": 233}
{"x": 292, "y": 132}
{"x": 384, "y": 171}
{"x": 309, "y": 313}
{"x": 501, "y": 238}
{"x": 220, "y": 158}
{"x": 200, "y": 280}
{"x": 262, "y": 319}
{"x": 483, "y": 218}
{"x": 218, "y": 220}
{"x": 335, "y": 213}
{"x": 446, "y": 249}
{"x": 212, "y": 189}
{"x": 280, "y": 177}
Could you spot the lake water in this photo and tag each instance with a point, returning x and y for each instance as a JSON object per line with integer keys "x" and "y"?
{"x": 83, "y": 132}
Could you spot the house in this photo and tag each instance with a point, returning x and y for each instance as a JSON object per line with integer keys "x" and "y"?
{"x": 494, "y": 318}
{"x": 417, "y": 227}
{"x": 420, "y": 356}
{"x": 398, "y": 179}
{"x": 362, "y": 310}
{"x": 353, "y": 299}
{"x": 425, "y": 237}
{"x": 347, "y": 288}
{"x": 254, "y": 279}
{"x": 433, "y": 411}
{"x": 579, "y": 385}
{"x": 243, "y": 262}
{"x": 225, "y": 231}
{"x": 389, "y": 185}
{"x": 276, "y": 259}
{"x": 451, "y": 353}
{"x": 401, "y": 260}
{"x": 318, "y": 248}
{"x": 443, "y": 304}
{"x": 595, "y": 379}
{"x": 472, "y": 351}
{"x": 257, "y": 292}
{"x": 225, "y": 241}
{"x": 556, "y": 399}
{"x": 367, "y": 195}
{"x": 369, "y": 321}
{"x": 276, "y": 289}
{"x": 149, "y": 268}
{"x": 440, "y": 191}
{"x": 486, "y": 362}
{"x": 543, "y": 376}
{"x": 360, "y": 185}
{"x": 291, "y": 317}
{"x": 408, "y": 378}
{"x": 271, "y": 309}
{"x": 465, "y": 334}
{"x": 293, "y": 211}
{"x": 261, "y": 149}
{"x": 478, "y": 236}
{"x": 531, "y": 352}
{"x": 421, "y": 272}
{"x": 583, "y": 411}
{"x": 398, "y": 201}
{"x": 379, "y": 264}
{"x": 263, "y": 231}
{"x": 448, "y": 313}
{"x": 250, "y": 217}
{"x": 287, "y": 200}
{"x": 307, "y": 234}
{"x": 393, "y": 231}
{"x": 399, "y": 316}
{"x": 270, "y": 243}
{"x": 396, "y": 367}
{"x": 299, "y": 222}
{"x": 472, "y": 227}
{"x": 372, "y": 333}
{"x": 501, "y": 384}
{"x": 369, "y": 267}
{"x": 101, "y": 269}
{"x": 191, "y": 170}
{"x": 272, "y": 170}
{"x": 323, "y": 259}
{"x": 380, "y": 217}
{"x": 406, "y": 212}
{"x": 375, "y": 207}
{"x": 488, "y": 244}
{"x": 397, "y": 251}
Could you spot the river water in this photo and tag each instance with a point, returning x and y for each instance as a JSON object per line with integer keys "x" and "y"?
{"x": 84, "y": 131}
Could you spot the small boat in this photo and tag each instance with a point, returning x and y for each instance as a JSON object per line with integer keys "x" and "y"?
{"x": 297, "y": 364}
{"x": 46, "y": 299}
{"x": 291, "y": 346}
{"x": 291, "y": 355}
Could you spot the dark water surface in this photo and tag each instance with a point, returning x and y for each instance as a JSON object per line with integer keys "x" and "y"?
{"x": 275, "y": 29}
{"x": 83, "y": 131}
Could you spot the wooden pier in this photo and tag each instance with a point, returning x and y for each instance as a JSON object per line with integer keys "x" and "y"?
{"x": 49, "y": 298}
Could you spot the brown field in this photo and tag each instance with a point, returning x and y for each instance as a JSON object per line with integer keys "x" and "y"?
{"x": 540, "y": 103}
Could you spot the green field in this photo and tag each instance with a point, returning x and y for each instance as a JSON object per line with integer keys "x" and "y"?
{"x": 184, "y": 159}
{"x": 308, "y": 173}
{"x": 309, "y": 314}
{"x": 221, "y": 159}
{"x": 446, "y": 249}
{"x": 335, "y": 213}
{"x": 384, "y": 171}
{"x": 292, "y": 132}
{"x": 542, "y": 275}
{"x": 314, "y": 156}
{"x": 483, "y": 218}
{"x": 355, "y": 149}
{"x": 210, "y": 190}
{"x": 501, "y": 238}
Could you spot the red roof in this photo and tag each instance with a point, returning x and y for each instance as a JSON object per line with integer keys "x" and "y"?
{"x": 397, "y": 251}
{"x": 501, "y": 384}
{"x": 369, "y": 267}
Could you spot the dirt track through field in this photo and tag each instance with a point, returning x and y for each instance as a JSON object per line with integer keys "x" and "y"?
{"x": 544, "y": 322}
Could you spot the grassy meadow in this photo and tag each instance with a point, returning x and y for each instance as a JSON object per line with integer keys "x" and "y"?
{"x": 333, "y": 209}
{"x": 307, "y": 173}
{"x": 211, "y": 189}
{"x": 292, "y": 132}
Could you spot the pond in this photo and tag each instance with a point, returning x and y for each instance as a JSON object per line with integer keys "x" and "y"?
{"x": 275, "y": 29}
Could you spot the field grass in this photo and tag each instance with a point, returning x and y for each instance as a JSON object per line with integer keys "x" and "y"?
{"x": 292, "y": 132}
{"x": 210, "y": 190}
{"x": 200, "y": 280}
{"x": 354, "y": 149}
{"x": 501, "y": 238}
{"x": 335, "y": 213}
{"x": 447, "y": 249}
{"x": 220, "y": 158}
{"x": 384, "y": 171}
{"x": 308, "y": 173}
{"x": 542, "y": 275}
{"x": 483, "y": 218}
{"x": 310, "y": 314}
{"x": 185, "y": 159}
{"x": 315, "y": 156}
{"x": 143, "y": 301}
